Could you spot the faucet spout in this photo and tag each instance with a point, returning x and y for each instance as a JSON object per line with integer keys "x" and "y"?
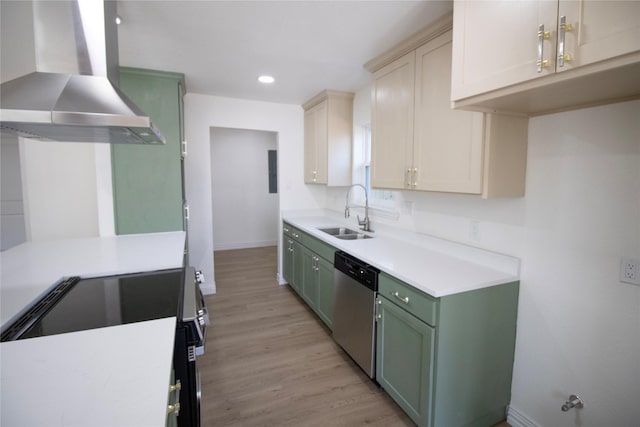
{"x": 364, "y": 223}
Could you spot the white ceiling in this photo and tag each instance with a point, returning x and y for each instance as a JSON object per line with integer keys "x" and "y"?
{"x": 308, "y": 46}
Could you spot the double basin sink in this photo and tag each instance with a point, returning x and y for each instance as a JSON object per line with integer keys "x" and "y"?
{"x": 344, "y": 233}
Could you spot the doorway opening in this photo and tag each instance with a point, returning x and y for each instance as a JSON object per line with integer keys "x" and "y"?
{"x": 245, "y": 200}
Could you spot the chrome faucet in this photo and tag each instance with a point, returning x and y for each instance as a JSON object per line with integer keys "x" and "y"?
{"x": 365, "y": 223}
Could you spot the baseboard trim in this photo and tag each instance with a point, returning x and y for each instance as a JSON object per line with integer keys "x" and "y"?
{"x": 244, "y": 245}
{"x": 281, "y": 279}
{"x": 518, "y": 419}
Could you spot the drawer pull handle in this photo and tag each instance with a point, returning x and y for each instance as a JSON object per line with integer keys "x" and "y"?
{"x": 403, "y": 299}
{"x": 173, "y": 409}
{"x": 177, "y": 386}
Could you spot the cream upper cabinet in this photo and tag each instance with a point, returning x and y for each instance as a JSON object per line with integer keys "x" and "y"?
{"x": 420, "y": 143}
{"x": 448, "y": 144}
{"x": 540, "y": 56}
{"x": 495, "y": 44}
{"x": 392, "y": 124}
{"x": 315, "y": 145}
{"x": 328, "y": 128}
{"x": 597, "y": 30}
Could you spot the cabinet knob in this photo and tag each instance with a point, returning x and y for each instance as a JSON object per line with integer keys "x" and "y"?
{"x": 173, "y": 409}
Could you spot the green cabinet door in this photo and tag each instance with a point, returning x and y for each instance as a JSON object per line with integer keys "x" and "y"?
{"x": 287, "y": 258}
{"x": 324, "y": 275}
{"x": 309, "y": 277}
{"x": 296, "y": 268}
{"x": 404, "y": 364}
{"x": 147, "y": 179}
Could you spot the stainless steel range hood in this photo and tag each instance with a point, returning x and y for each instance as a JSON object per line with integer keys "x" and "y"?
{"x": 72, "y": 95}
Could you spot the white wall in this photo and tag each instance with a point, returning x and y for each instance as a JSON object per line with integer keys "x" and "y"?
{"x": 578, "y": 326}
{"x": 202, "y": 112}
{"x": 245, "y": 214}
{"x": 59, "y": 188}
{"x": 12, "y": 226}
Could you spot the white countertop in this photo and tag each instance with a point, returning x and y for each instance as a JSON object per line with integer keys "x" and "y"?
{"x": 30, "y": 269}
{"x": 435, "y": 266}
{"x": 100, "y": 377}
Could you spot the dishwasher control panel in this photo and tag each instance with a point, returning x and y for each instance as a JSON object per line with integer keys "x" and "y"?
{"x": 357, "y": 269}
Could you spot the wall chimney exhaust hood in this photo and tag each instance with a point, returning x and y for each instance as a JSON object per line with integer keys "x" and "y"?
{"x": 70, "y": 91}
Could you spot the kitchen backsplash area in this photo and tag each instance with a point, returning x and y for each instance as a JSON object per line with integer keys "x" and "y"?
{"x": 583, "y": 176}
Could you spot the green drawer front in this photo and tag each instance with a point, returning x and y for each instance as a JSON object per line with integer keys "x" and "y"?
{"x": 292, "y": 232}
{"x": 409, "y": 298}
{"x": 287, "y": 229}
{"x": 321, "y": 248}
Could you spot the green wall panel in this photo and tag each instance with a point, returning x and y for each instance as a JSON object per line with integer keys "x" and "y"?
{"x": 147, "y": 179}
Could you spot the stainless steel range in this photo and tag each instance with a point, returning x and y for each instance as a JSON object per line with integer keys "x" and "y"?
{"x": 76, "y": 304}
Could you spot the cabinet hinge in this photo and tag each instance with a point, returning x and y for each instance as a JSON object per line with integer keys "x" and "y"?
{"x": 186, "y": 212}
{"x": 183, "y": 149}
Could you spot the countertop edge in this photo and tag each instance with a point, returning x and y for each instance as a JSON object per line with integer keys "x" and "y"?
{"x": 499, "y": 277}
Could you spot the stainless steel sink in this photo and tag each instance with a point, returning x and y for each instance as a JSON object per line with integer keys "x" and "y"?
{"x": 352, "y": 236}
{"x": 344, "y": 233}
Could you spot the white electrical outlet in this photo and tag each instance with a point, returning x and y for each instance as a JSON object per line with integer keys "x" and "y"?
{"x": 630, "y": 271}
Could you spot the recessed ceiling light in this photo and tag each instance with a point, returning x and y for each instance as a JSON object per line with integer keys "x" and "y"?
{"x": 266, "y": 79}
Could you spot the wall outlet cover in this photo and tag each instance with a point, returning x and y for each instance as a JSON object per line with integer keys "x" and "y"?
{"x": 630, "y": 271}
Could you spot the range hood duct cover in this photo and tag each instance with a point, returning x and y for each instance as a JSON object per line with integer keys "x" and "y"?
{"x": 73, "y": 94}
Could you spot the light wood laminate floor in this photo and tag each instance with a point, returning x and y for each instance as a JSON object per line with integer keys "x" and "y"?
{"x": 270, "y": 361}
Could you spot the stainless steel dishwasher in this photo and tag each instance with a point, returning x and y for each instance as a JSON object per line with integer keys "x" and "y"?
{"x": 355, "y": 284}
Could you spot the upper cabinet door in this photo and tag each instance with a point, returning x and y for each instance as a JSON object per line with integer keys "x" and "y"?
{"x": 392, "y": 124}
{"x": 448, "y": 144}
{"x": 596, "y": 30}
{"x": 315, "y": 144}
{"x": 544, "y": 56}
{"x": 328, "y": 126}
{"x": 496, "y": 43}
{"x": 321, "y": 144}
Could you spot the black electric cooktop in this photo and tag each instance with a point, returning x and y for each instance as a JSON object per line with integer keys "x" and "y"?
{"x": 78, "y": 304}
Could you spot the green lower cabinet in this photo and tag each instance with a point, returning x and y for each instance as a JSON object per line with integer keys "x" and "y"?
{"x": 325, "y": 291}
{"x": 447, "y": 361}
{"x": 297, "y": 267}
{"x": 308, "y": 271}
{"x": 309, "y": 277}
{"x": 405, "y": 348}
{"x": 287, "y": 258}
